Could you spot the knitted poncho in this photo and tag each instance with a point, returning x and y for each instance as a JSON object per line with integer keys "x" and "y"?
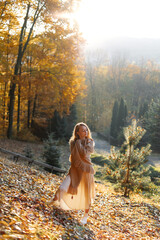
{"x": 80, "y": 162}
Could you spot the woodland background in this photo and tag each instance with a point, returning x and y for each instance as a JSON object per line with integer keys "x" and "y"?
{"x": 48, "y": 82}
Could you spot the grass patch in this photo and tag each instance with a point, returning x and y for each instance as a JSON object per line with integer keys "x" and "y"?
{"x": 155, "y": 175}
{"x": 99, "y": 159}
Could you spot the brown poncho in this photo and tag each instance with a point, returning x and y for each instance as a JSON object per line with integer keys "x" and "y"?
{"x": 80, "y": 163}
{"x": 77, "y": 190}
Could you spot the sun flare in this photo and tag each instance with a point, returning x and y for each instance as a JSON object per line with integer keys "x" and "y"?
{"x": 103, "y": 19}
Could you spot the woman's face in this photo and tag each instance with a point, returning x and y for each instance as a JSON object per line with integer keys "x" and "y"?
{"x": 83, "y": 132}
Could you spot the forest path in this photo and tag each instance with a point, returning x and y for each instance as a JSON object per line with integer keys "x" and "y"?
{"x": 103, "y": 147}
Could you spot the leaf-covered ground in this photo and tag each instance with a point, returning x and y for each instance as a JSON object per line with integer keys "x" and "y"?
{"x": 26, "y": 214}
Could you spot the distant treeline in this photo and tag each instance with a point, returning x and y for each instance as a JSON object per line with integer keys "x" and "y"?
{"x": 118, "y": 91}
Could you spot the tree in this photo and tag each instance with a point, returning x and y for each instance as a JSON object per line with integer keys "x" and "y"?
{"x": 143, "y": 109}
{"x": 126, "y": 168}
{"x": 152, "y": 124}
{"x": 35, "y": 10}
{"x": 51, "y": 153}
{"x": 8, "y": 32}
{"x": 113, "y": 79}
{"x": 125, "y": 112}
{"x": 121, "y": 115}
{"x": 118, "y": 121}
{"x": 121, "y": 121}
{"x": 71, "y": 120}
{"x": 93, "y": 104}
{"x": 21, "y": 50}
{"x": 58, "y": 125}
{"x": 113, "y": 127}
{"x": 39, "y": 69}
{"x": 140, "y": 113}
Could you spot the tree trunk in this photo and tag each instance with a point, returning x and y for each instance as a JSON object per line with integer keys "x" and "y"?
{"x": 29, "y": 92}
{"x": 11, "y": 109}
{"x": 93, "y": 98}
{"x": 34, "y": 109}
{"x": 12, "y": 91}
{"x": 21, "y": 51}
{"x": 19, "y": 104}
{"x": 4, "y": 108}
{"x": 12, "y": 94}
{"x": 5, "y": 86}
{"x": 19, "y": 100}
{"x": 127, "y": 174}
{"x": 29, "y": 113}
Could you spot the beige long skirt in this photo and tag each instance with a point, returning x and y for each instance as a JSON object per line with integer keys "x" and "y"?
{"x": 84, "y": 197}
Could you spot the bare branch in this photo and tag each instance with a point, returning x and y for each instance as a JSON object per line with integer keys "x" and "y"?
{"x": 5, "y": 4}
{"x": 25, "y": 22}
{"x": 20, "y": 53}
{"x": 36, "y": 15}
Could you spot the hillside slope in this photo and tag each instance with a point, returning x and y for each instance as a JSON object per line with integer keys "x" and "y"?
{"x": 25, "y": 213}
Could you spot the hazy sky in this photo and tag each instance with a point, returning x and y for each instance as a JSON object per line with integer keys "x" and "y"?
{"x": 105, "y": 19}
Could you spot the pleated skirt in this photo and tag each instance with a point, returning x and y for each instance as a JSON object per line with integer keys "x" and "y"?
{"x": 84, "y": 197}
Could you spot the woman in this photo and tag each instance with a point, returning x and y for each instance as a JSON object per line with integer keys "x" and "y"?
{"x": 77, "y": 191}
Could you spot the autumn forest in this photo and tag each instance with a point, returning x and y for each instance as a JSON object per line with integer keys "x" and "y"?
{"x": 50, "y": 80}
{"x": 44, "y": 70}
{"x": 41, "y": 69}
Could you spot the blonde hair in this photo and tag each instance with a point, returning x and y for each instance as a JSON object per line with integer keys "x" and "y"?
{"x": 75, "y": 136}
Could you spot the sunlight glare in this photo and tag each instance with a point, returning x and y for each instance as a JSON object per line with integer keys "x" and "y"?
{"x": 104, "y": 19}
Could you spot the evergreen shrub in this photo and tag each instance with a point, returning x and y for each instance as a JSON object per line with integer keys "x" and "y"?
{"x": 127, "y": 168}
{"x": 118, "y": 121}
{"x": 28, "y": 152}
{"x": 51, "y": 153}
{"x": 152, "y": 124}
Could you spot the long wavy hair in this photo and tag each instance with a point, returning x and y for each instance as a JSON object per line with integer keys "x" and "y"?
{"x": 75, "y": 135}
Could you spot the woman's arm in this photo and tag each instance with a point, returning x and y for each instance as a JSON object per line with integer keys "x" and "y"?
{"x": 77, "y": 160}
{"x": 85, "y": 146}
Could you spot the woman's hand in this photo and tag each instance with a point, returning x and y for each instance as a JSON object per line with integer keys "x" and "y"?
{"x": 86, "y": 141}
{"x": 89, "y": 140}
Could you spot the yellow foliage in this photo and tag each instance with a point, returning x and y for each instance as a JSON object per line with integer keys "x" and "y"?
{"x": 51, "y": 76}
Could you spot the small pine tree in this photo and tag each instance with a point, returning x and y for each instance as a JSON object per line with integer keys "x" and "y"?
{"x": 28, "y": 152}
{"x": 51, "y": 153}
{"x": 126, "y": 167}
